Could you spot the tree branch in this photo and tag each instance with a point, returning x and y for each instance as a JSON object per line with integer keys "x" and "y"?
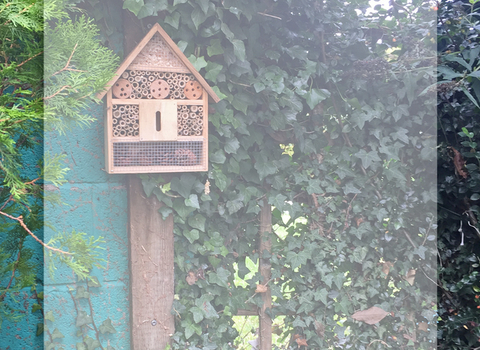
{"x": 20, "y": 221}
{"x": 59, "y": 91}
{"x": 68, "y": 63}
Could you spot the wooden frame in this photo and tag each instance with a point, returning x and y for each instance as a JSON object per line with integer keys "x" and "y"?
{"x": 179, "y": 115}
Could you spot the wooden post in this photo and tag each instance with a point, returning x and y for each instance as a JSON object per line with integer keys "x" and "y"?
{"x": 151, "y": 270}
{"x": 151, "y": 248}
{"x": 266, "y": 272}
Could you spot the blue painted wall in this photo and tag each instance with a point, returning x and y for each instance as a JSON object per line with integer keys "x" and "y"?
{"x": 22, "y": 334}
{"x": 92, "y": 202}
{"x": 95, "y": 203}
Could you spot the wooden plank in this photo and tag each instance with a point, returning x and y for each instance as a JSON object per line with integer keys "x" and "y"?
{"x": 133, "y": 101}
{"x": 265, "y": 335}
{"x": 151, "y": 270}
{"x": 167, "y": 110}
{"x": 108, "y": 133}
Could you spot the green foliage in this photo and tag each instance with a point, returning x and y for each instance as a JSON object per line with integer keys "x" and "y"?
{"x": 354, "y": 195}
{"x": 458, "y": 173}
{"x": 70, "y": 80}
{"x": 78, "y": 67}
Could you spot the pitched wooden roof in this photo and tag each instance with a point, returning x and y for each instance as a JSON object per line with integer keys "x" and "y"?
{"x": 179, "y": 57}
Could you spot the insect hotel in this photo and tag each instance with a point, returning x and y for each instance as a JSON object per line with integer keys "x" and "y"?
{"x": 156, "y": 111}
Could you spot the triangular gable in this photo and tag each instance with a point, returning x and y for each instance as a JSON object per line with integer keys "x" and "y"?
{"x": 171, "y": 60}
{"x": 157, "y": 55}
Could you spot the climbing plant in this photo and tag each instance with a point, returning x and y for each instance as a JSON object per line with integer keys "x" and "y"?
{"x": 335, "y": 129}
{"x": 458, "y": 130}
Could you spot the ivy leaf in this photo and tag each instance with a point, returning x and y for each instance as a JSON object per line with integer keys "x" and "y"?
{"x": 213, "y": 70}
{"x": 92, "y": 344}
{"x": 368, "y": 158}
{"x": 133, "y": 5}
{"x": 234, "y": 205}
{"x": 218, "y": 157}
{"x": 40, "y": 328}
{"x": 181, "y": 209}
{"x": 107, "y": 327}
{"x": 197, "y": 314}
{"x": 220, "y": 277}
{"x": 264, "y": 166}
{"x": 315, "y": 96}
{"x": 176, "y": 2}
{"x": 198, "y": 222}
{"x": 183, "y": 185}
{"x": 49, "y": 316}
{"x": 350, "y": 188}
{"x": 192, "y": 201}
{"x": 321, "y": 295}
{"x": 81, "y": 346}
{"x": 232, "y": 145}
{"x": 220, "y": 180}
{"x": 82, "y": 319}
{"x": 197, "y": 62}
{"x": 173, "y": 19}
{"x": 239, "y": 49}
{"x": 191, "y": 235}
{"x": 297, "y": 259}
{"x": 36, "y": 307}
{"x": 228, "y": 33}
{"x": 204, "y": 5}
{"x": 81, "y": 293}
{"x": 198, "y": 17}
{"x": 57, "y": 334}
{"x": 215, "y": 47}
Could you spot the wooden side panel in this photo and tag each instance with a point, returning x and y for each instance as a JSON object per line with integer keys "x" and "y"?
{"x": 154, "y": 112}
{"x": 151, "y": 270}
{"x": 108, "y": 134}
{"x": 265, "y": 271}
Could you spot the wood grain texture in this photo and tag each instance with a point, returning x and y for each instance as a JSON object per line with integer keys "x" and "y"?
{"x": 151, "y": 270}
{"x": 266, "y": 272}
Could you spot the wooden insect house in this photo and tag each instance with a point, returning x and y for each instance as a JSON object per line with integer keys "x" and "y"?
{"x": 156, "y": 111}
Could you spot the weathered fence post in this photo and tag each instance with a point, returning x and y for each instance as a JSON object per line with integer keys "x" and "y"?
{"x": 265, "y": 271}
{"x": 151, "y": 270}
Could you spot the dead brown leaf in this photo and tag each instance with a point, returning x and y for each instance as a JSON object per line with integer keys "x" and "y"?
{"x": 191, "y": 278}
{"x": 459, "y": 163}
{"x": 386, "y": 268}
{"x": 423, "y": 326}
{"x": 301, "y": 342}
{"x": 409, "y": 337}
{"x": 370, "y": 316}
{"x": 319, "y": 329}
{"x": 261, "y": 288}
{"x": 411, "y": 276}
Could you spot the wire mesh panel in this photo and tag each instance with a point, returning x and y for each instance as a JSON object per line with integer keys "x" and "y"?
{"x": 159, "y": 156}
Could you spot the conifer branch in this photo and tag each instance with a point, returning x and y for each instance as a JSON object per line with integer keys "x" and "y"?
{"x": 59, "y": 91}
{"x": 68, "y": 63}
{"x": 31, "y": 58}
{"x": 19, "y": 219}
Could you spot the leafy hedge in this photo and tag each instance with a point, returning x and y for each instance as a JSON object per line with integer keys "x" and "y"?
{"x": 335, "y": 130}
{"x": 458, "y": 175}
